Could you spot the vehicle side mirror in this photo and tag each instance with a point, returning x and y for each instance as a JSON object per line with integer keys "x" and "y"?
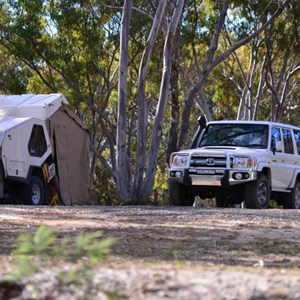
{"x": 201, "y": 121}
{"x": 202, "y": 124}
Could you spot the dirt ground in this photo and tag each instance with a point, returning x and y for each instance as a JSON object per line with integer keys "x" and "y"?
{"x": 168, "y": 252}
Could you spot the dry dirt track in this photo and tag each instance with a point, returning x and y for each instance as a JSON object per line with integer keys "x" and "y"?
{"x": 172, "y": 252}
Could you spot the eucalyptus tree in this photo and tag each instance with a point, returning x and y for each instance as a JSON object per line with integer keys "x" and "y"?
{"x": 14, "y": 76}
{"x": 245, "y": 70}
{"x": 140, "y": 189}
{"x": 264, "y": 73}
{"x": 221, "y": 16}
{"x": 282, "y": 67}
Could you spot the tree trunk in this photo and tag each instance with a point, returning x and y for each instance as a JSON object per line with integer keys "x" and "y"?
{"x": 142, "y": 107}
{"x": 246, "y": 101}
{"x": 260, "y": 88}
{"x": 203, "y": 104}
{"x": 123, "y": 170}
{"x": 185, "y": 120}
{"x": 174, "y": 121}
{"x": 163, "y": 97}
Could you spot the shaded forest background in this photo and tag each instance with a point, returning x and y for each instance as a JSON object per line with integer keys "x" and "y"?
{"x": 139, "y": 73}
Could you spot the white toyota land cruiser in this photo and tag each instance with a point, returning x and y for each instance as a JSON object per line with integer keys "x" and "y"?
{"x": 238, "y": 162}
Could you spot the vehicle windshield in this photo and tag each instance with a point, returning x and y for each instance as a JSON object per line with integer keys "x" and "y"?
{"x": 237, "y": 135}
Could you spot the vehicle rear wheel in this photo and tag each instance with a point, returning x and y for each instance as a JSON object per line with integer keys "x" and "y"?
{"x": 257, "y": 193}
{"x": 34, "y": 192}
{"x": 292, "y": 200}
{"x": 180, "y": 194}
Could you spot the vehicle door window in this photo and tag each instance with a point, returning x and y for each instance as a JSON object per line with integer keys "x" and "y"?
{"x": 288, "y": 141}
{"x": 297, "y": 139}
{"x": 276, "y": 139}
{"x": 37, "y": 145}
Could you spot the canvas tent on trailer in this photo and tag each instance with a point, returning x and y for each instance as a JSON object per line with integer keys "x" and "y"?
{"x": 23, "y": 152}
{"x": 70, "y": 140}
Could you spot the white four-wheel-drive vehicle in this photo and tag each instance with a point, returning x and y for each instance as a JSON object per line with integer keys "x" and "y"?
{"x": 44, "y": 151}
{"x": 238, "y": 162}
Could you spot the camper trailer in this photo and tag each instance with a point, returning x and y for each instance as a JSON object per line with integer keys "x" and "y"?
{"x": 44, "y": 150}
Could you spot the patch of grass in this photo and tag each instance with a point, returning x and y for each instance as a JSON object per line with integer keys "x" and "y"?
{"x": 275, "y": 247}
{"x": 115, "y": 295}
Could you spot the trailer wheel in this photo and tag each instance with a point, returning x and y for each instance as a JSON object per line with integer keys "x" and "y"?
{"x": 34, "y": 193}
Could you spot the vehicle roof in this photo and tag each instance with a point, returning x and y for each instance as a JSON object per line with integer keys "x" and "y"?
{"x": 254, "y": 122}
{"x": 40, "y": 106}
{"x": 7, "y": 123}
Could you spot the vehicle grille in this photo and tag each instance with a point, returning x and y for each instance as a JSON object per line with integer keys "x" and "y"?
{"x": 214, "y": 161}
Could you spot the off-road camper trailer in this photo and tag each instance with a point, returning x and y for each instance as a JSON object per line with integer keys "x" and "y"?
{"x": 44, "y": 151}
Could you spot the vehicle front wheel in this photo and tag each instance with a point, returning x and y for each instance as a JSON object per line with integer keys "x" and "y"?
{"x": 180, "y": 194}
{"x": 292, "y": 200}
{"x": 257, "y": 193}
{"x": 34, "y": 192}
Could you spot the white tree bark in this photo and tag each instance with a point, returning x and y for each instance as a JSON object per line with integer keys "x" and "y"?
{"x": 279, "y": 84}
{"x": 142, "y": 106}
{"x": 245, "y": 111}
{"x": 161, "y": 108}
{"x": 123, "y": 164}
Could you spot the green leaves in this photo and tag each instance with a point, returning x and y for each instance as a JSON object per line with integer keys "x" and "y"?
{"x": 88, "y": 244}
{"x": 43, "y": 248}
{"x": 38, "y": 243}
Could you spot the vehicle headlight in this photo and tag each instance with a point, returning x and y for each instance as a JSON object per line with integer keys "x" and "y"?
{"x": 243, "y": 162}
{"x": 180, "y": 161}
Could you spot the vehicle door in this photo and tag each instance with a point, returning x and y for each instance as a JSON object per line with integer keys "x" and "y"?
{"x": 283, "y": 162}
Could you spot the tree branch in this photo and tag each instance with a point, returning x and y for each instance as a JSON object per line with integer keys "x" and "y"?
{"x": 249, "y": 37}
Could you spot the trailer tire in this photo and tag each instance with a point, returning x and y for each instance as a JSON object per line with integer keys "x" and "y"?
{"x": 34, "y": 193}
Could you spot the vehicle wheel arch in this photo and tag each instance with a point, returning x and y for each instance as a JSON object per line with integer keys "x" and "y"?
{"x": 296, "y": 177}
{"x": 33, "y": 173}
{"x": 292, "y": 200}
{"x": 268, "y": 173}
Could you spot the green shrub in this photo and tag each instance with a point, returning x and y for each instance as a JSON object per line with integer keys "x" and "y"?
{"x": 42, "y": 248}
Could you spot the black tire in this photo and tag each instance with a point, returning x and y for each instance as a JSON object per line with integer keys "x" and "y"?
{"x": 292, "y": 200}
{"x": 180, "y": 195}
{"x": 34, "y": 193}
{"x": 257, "y": 193}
